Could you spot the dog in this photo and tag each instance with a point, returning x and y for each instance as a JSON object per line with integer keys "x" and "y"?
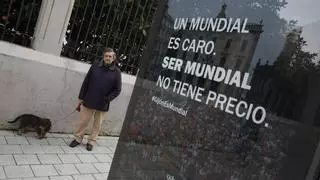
{"x": 40, "y": 125}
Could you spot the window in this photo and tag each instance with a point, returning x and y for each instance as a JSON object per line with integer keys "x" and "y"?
{"x": 184, "y": 55}
{"x": 228, "y": 44}
{"x": 195, "y": 58}
{"x": 214, "y": 39}
{"x": 201, "y": 82}
{"x": 222, "y": 61}
{"x": 316, "y": 121}
{"x": 244, "y": 45}
{"x": 238, "y": 64}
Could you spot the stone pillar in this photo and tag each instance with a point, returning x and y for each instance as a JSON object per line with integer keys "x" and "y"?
{"x": 51, "y": 26}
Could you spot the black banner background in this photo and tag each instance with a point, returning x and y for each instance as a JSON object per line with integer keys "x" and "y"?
{"x": 157, "y": 142}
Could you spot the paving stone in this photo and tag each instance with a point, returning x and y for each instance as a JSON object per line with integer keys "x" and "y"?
{"x": 97, "y": 150}
{"x": 44, "y": 170}
{"x": 101, "y": 176}
{"x": 28, "y": 134}
{"x": 57, "y": 135}
{"x": 68, "y": 140}
{"x": 83, "y": 177}
{"x": 61, "y": 178}
{"x": 71, "y": 150}
{"x": 18, "y": 171}
{"x": 84, "y": 141}
{"x": 10, "y": 149}
{"x": 71, "y": 135}
{"x": 32, "y": 149}
{"x": 86, "y": 168}
{"x": 103, "y": 150}
{"x": 102, "y": 167}
{"x": 2, "y": 140}
{"x": 111, "y": 138}
{"x": 26, "y": 159}
{"x": 52, "y": 149}
{"x": 69, "y": 158}
{"x": 56, "y": 141}
{"x": 36, "y": 178}
{"x": 103, "y": 142}
{"x": 7, "y": 160}
{"x": 49, "y": 159}
{"x": 87, "y": 158}
{"x": 28, "y": 152}
{"x": 103, "y": 157}
{"x": 107, "y": 143}
{"x": 66, "y": 169}
{"x": 111, "y": 155}
{"x": 35, "y": 141}
{"x": 112, "y": 149}
{"x": 16, "y": 140}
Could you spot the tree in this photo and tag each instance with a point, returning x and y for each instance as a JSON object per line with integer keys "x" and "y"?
{"x": 294, "y": 64}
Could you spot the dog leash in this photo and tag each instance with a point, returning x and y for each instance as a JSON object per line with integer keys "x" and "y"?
{"x": 69, "y": 114}
{"x": 75, "y": 110}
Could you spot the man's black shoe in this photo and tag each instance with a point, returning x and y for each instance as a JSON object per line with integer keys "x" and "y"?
{"x": 74, "y": 143}
{"x": 89, "y": 147}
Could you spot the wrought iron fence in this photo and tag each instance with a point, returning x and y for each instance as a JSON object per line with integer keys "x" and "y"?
{"x": 120, "y": 24}
{"x": 18, "y": 19}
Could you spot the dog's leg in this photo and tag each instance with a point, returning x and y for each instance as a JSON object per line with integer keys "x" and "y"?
{"x": 43, "y": 136}
{"x": 39, "y": 133}
{"x": 21, "y": 131}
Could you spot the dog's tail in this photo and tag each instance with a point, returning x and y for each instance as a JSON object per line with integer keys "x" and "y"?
{"x": 15, "y": 120}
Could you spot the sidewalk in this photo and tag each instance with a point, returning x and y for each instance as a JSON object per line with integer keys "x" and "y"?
{"x": 27, "y": 158}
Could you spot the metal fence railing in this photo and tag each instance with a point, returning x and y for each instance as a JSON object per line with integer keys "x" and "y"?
{"x": 18, "y": 20}
{"x": 94, "y": 25}
{"x": 120, "y": 24}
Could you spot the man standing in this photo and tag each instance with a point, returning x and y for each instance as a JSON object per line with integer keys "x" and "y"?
{"x": 101, "y": 85}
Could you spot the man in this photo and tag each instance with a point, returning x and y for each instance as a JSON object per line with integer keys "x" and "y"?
{"x": 101, "y": 85}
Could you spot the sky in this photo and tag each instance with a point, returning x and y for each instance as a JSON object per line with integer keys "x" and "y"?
{"x": 307, "y": 14}
{"x": 305, "y": 11}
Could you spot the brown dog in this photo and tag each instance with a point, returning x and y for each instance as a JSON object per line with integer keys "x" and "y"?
{"x": 41, "y": 125}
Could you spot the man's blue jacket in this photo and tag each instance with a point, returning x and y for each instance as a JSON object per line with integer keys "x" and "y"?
{"x": 101, "y": 85}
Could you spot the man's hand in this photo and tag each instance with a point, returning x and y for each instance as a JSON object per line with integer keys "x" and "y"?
{"x": 79, "y": 105}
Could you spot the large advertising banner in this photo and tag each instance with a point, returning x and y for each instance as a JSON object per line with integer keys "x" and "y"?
{"x": 226, "y": 90}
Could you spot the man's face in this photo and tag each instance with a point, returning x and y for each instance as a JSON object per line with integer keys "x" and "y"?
{"x": 108, "y": 57}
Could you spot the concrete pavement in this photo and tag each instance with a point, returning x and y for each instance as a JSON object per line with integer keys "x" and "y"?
{"x": 27, "y": 158}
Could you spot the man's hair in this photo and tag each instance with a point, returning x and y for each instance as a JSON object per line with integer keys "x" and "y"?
{"x": 107, "y": 49}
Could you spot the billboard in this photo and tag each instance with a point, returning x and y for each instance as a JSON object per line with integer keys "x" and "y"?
{"x": 226, "y": 90}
